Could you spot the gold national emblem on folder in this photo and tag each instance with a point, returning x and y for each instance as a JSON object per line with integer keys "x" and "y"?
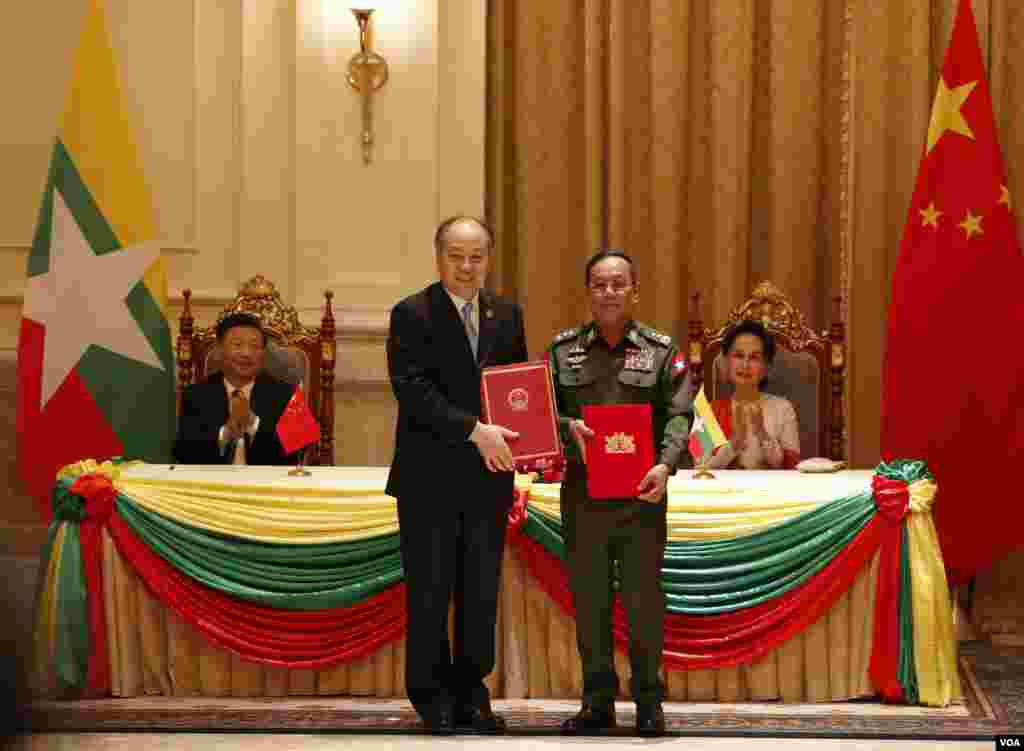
{"x": 620, "y": 443}
{"x": 521, "y": 397}
{"x": 519, "y": 400}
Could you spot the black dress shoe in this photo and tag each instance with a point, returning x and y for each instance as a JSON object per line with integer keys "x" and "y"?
{"x": 439, "y": 720}
{"x": 590, "y": 720}
{"x": 481, "y": 720}
{"x": 650, "y": 720}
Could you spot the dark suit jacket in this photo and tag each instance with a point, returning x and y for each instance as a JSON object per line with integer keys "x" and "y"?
{"x": 437, "y": 384}
{"x": 204, "y": 409}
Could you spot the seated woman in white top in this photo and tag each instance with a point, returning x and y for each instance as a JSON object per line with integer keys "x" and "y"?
{"x": 761, "y": 428}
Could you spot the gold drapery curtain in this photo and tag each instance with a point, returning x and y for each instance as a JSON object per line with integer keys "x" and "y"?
{"x": 722, "y": 143}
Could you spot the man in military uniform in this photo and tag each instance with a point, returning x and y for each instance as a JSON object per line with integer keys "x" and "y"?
{"x": 615, "y": 360}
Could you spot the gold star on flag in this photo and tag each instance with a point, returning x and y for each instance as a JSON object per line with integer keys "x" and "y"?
{"x": 946, "y": 114}
{"x": 1005, "y": 197}
{"x": 930, "y": 216}
{"x": 971, "y": 225}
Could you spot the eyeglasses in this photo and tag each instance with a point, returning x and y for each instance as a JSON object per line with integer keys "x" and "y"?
{"x": 610, "y": 288}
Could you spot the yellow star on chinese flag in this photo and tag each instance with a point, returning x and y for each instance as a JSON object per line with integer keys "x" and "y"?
{"x": 1005, "y": 197}
{"x": 946, "y": 114}
{"x": 930, "y": 216}
{"x": 971, "y": 225}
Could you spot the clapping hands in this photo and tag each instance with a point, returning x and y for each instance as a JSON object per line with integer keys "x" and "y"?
{"x": 240, "y": 417}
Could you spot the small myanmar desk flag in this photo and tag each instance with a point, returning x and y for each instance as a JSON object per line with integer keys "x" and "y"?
{"x": 706, "y": 434}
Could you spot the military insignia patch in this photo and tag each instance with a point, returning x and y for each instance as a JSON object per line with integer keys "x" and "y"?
{"x": 678, "y": 365}
{"x": 639, "y": 359}
{"x": 656, "y": 336}
{"x": 564, "y": 336}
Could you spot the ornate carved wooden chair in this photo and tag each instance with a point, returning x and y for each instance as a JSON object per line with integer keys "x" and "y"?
{"x": 295, "y": 353}
{"x": 809, "y": 367}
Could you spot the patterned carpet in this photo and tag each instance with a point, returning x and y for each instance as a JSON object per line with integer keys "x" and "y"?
{"x": 993, "y": 680}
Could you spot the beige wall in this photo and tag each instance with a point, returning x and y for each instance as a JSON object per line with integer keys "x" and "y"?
{"x": 251, "y": 141}
{"x": 250, "y": 137}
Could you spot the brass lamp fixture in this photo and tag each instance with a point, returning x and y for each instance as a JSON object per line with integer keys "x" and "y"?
{"x": 367, "y": 74}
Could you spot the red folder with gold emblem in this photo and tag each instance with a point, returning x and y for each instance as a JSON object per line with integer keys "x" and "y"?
{"x": 621, "y": 451}
{"x": 521, "y": 397}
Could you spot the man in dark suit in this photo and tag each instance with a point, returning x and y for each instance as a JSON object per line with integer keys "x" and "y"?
{"x": 231, "y": 417}
{"x": 452, "y": 475}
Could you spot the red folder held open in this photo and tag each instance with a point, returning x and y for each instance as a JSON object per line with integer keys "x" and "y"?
{"x": 621, "y": 451}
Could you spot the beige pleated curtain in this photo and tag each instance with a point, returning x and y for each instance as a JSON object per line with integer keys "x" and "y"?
{"x": 722, "y": 143}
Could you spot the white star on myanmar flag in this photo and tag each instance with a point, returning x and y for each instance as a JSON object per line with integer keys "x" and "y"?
{"x": 83, "y": 286}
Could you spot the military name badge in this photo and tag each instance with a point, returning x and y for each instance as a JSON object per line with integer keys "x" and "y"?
{"x": 640, "y": 359}
{"x": 575, "y": 358}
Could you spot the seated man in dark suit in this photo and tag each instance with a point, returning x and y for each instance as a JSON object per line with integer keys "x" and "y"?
{"x": 231, "y": 417}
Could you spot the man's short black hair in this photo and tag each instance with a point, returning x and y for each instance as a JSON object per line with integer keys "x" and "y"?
{"x": 235, "y": 320}
{"x": 443, "y": 227}
{"x": 604, "y": 254}
{"x": 754, "y": 329}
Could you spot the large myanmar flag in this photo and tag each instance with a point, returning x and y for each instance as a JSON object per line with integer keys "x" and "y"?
{"x": 954, "y": 366}
{"x": 95, "y": 363}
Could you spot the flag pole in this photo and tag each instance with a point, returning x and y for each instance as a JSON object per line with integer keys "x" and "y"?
{"x": 299, "y": 470}
{"x": 702, "y": 472}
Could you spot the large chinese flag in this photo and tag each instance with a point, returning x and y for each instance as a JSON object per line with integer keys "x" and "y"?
{"x": 954, "y": 364}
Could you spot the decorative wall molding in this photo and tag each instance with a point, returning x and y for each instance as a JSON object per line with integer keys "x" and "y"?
{"x": 354, "y": 323}
{"x": 378, "y": 387}
{"x": 362, "y": 371}
{"x": 365, "y": 279}
{"x": 216, "y": 297}
{"x": 170, "y": 250}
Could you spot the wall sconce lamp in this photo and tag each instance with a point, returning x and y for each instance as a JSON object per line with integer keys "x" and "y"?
{"x": 367, "y": 73}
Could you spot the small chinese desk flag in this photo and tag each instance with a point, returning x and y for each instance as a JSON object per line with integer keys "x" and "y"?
{"x": 297, "y": 427}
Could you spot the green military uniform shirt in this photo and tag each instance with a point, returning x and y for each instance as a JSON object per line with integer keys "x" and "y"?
{"x": 644, "y": 368}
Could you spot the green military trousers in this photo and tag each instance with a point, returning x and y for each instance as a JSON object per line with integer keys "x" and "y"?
{"x": 599, "y": 534}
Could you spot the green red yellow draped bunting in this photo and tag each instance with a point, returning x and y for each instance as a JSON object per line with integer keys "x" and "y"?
{"x": 311, "y": 605}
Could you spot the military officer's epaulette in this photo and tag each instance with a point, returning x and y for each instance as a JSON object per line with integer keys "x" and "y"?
{"x": 655, "y": 336}
{"x": 567, "y": 335}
